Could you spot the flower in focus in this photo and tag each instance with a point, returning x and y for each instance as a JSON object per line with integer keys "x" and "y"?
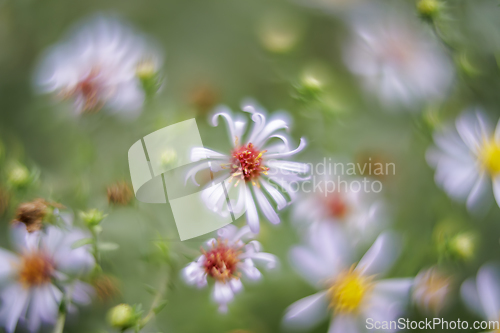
{"x": 103, "y": 64}
{"x": 255, "y": 163}
{"x": 396, "y": 62}
{"x": 431, "y": 290}
{"x": 350, "y": 292}
{"x": 224, "y": 260}
{"x": 467, "y": 160}
{"x": 36, "y": 278}
{"x": 119, "y": 193}
{"x": 482, "y": 295}
{"x": 360, "y": 213}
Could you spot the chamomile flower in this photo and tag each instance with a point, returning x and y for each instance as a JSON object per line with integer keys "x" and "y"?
{"x": 362, "y": 214}
{"x": 482, "y": 294}
{"x": 255, "y": 163}
{"x": 396, "y": 61}
{"x": 42, "y": 272}
{"x": 224, "y": 260}
{"x": 351, "y": 293}
{"x": 467, "y": 160}
{"x": 99, "y": 65}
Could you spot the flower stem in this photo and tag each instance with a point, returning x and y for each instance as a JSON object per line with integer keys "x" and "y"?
{"x": 59, "y": 328}
{"x": 159, "y": 297}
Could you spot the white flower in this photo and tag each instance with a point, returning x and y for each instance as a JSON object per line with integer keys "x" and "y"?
{"x": 256, "y": 164}
{"x": 97, "y": 67}
{"x": 350, "y": 293}
{"x": 362, "y": 214}
{"x": 482, "y": 295}
{"x": 467, "y": 160}
{"x": 224, "y": 260}
{"x": 431, "y": 290}
{"x": 36, "y": 278}
{"x": 396, "y": 61}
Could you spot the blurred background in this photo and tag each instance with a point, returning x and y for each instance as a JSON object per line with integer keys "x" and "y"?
{"x": 288, "y": 55}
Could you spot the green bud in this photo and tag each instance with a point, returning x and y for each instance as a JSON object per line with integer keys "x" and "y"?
{"x": 19, "y": 176}
{"x": 147, "y": 72}
{"x": 463, "y": 246}
{"x": 122, "y": 316}
{"x": 168, "y": 157}
{"x": 92, "y": 217}
{"x": 428, "y": 9}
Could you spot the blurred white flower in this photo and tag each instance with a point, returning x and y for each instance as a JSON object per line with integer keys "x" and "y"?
{"x": 482, "y": 295}
{"x": 100, "y": 65}
{"x": 224, "y": 260}
{"x": 36, "y": 278}
{"x": 467, "y": 160}
{"x": 431, "y": 290}
{"x": 254, "y": 160}
{"x": 396, "y": 61}
{"x": 350, "y": 293}
{"x": 361, "y": 214}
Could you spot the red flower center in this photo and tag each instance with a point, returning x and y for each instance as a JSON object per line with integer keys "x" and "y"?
{"x": 35, "y": 269}
{"x": 221, "y": 261}
{"x": 88, "y": 89}
{"x": 247, "y": 162}
{"x": 336, "y": 206}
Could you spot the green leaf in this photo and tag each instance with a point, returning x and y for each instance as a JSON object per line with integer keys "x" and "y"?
{"x": 82, "y": 242}
{"x": 160, "y": 307}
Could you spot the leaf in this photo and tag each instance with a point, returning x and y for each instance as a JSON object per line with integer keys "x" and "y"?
{"x": 107, "y": 246}
{"x": 160, "y": 306}
{"x": 82, "y": 242}
{"x": 150, "y": 289}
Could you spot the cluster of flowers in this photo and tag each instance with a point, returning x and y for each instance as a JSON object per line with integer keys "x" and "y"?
{"x": 43, "y": 273}
{"x": 104, "y": 64}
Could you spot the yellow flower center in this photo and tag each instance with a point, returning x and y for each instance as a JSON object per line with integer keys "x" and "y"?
{"x": 489, "y": 156}
{"x": 348, "y": 291}
{"x": 35, "y": 269}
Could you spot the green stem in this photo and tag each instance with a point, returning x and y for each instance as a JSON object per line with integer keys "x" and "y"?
{"x": 59, "y": 328}
{"x": 160, "y": 295}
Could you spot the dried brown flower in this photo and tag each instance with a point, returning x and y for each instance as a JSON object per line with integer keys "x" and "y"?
{"x": 32, "y": 214}
{"x": 204, "y": 98}
{"x": 119, "y": 193}
{"x": 106, "y": 287}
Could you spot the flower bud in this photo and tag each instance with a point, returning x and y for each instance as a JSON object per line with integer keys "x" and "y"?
{"x": 428, "y": 9}
{"x": 122, "y": 316}
{"x": 463, "y": 246}
{"x": 168, "y": 157}
{"x": 92, "y": 217}
{"x": 147, "y": 72}
{"x": 19, "y": 176}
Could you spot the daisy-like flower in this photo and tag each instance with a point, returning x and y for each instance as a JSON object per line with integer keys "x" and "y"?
{"x": 467, "y": 160}
{"x": 482, "y": 295}
{"x": 431, "y": 290}
{"x": 396, "y": 61}
{"x": 36, "y": 279}
{"x": 361, "y": 214}
{"x": 100, "y": 65}
{"x": 254, "y": 165}
{"x": 351, "y": 293}
{"x": 224, "y": 260}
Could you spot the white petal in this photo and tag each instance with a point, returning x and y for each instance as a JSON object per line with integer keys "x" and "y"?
{"x": 380, "y": 257}
{"x": 266, "y": 207}
{"x": 488, "y": 288}
{"x": 14, "y": 302}
{"x": 275, "y": 194}
{"x": 236, "y": 285}
{"x": 251, "y": 213}
{"x": 343, "y": 324}
{"x": 297, "y": 150}
{"x": 311, "y": 266}
{"x": 496, "y": 189}
{"x": 222, "y": 293}
{"x": 307, "y": 312}
{"x": 250, "y": 271}
{"x": 470, "y": 297}
{"x": 479, "y": 199}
